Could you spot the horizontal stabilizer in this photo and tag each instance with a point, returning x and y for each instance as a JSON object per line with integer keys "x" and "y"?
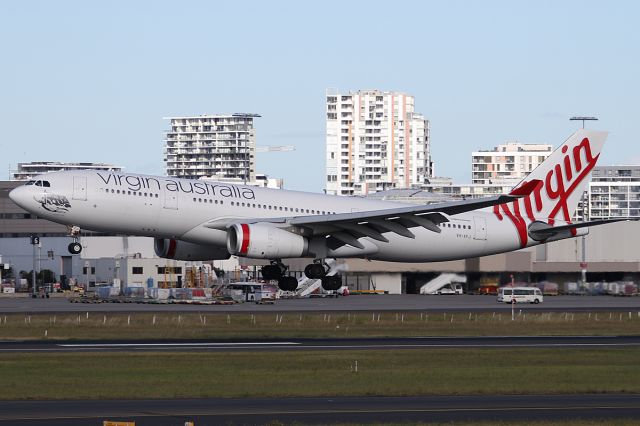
{"x": 541, "y": 231}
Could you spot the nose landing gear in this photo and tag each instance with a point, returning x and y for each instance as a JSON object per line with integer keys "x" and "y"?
{"x": 75, "y": 247}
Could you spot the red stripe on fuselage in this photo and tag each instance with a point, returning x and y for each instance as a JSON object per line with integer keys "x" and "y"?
{"x": 245, "y": 239}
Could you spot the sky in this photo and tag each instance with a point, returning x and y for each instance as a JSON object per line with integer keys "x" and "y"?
{"x": 92, "y": 81}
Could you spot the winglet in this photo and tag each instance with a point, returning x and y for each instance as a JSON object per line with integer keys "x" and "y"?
{"x": 526, "y": 188}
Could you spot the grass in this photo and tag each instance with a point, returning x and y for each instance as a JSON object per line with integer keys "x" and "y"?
{"x": 134, "y": 375}
{"x": 170, "y": 325}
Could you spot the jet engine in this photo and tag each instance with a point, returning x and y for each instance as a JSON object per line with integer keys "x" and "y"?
{"x": 265, "y": 241}
{"x": 182, "y": 250}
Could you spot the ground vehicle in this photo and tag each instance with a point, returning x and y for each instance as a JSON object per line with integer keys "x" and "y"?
{"x": 451, "y": 289}
{"x": 520, "y": 295}
{"x": 250, "y": 291}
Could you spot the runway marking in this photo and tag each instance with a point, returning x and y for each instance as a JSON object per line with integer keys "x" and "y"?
{"x": 333, "y": 411}
{"x": 468, "y": 345}
{"x": 297, "y": 346}
{"x": 195, "y": 345}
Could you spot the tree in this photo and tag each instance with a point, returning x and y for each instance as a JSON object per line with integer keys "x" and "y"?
{"x": 44, "y": 276}
{"x": 7, "y": 273}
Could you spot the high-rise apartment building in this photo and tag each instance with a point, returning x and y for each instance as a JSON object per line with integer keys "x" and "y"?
{"x": 507, "y": 163}
{"x": 220, "y": 147}
{"x": 375, "y": 140}
{"x": 614, "y": 191}
{"x": 26, "y": 171}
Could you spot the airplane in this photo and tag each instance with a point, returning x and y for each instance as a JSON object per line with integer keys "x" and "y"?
{"x": 205, "y": 220}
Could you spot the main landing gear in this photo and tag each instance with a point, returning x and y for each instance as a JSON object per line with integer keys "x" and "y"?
{"x": 75, "y": 247}
{"x": 332, "y": 282}
{"x": 275, "y": 272}
{"x": 317, "y": 270}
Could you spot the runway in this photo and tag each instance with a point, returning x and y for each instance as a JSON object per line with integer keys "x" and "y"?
{"x": 256, "y": 345}
{"x": 327, "y": 410}
{"x": 375, "y": 303}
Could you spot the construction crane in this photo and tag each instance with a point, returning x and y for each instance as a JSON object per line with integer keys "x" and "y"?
{"x": 275, "y": 148}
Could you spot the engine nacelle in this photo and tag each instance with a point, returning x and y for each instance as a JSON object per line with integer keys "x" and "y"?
{"x": 182, "y": 250}
{"x": 264, "y": 241}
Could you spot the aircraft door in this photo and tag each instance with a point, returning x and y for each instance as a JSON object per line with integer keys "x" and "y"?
{"x": 170, "y": 200}
{"x": 480, "y": 228}
{"x": 80, "y": 188}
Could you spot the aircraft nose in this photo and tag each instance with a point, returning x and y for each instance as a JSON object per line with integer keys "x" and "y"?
{"x": 19, "y": 196}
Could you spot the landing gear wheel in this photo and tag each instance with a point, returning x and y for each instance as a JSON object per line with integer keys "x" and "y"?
{"x": 75, "y": 248}
{"x": 332, "y": 283}
{"x": 271, "y": 272}
{"x": 287, "y": 283}
{"x": 314, "y": 271}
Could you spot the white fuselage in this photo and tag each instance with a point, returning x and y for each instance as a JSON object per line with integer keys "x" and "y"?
{"x": 183, "y": 209}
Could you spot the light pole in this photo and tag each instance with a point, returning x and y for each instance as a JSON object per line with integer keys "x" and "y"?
{"x": 583, "y": 264}
{"x": 583, "y": 119}
{"x": 35, "y": 240}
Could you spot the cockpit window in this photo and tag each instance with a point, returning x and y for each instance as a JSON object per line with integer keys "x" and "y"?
{"x": 46, "y": 184}
{"x": 39, "y": 183}
{"x": 31, "y": 182}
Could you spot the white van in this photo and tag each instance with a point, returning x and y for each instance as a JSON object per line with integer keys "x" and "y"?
{"x": 520, "y": 295}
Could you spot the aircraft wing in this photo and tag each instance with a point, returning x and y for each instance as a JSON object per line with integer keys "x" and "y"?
{"x": 346, "y": 228}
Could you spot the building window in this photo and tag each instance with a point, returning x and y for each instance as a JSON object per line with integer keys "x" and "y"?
{"x": 89, "y": 271}
{"x": 169, "y": 270}
{"x": 137, "y": 270}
